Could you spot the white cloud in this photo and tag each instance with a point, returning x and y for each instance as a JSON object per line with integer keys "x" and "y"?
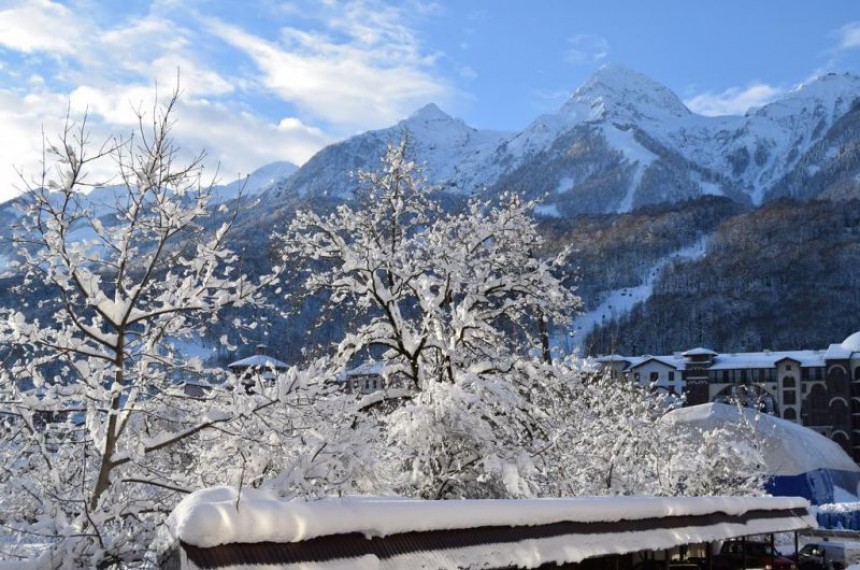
{"x": 236, "y": 142}
{"x": 40, "y": 26}
{"x": 848, "y": 36}
{"x": 240, "y": 142}
{"x": 358, "y": 64}
{"x": 734, "y": 100}
{"x": 366, "y": 72}
{"x": 586, "y": 48}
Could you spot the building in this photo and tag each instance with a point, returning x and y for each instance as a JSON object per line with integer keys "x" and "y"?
{"x": 819, "y": 389}
{"x": 369, "y": 377}
{"x": 259, "y": 367}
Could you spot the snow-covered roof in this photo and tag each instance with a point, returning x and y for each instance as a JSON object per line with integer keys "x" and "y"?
{"x": 740, "y": 360}
{"x": 768, "y": 359}
{"x": 838, "y": 351}
{"x": 260, "y": 361}
{"x": 515, "y": 532}
{"x": 612, "y": 358}
{"x": 669, "y": 361}
{"x": 699, "y": 351}
{"x": 370, "y": 368}
{"x": 789, "y": 448}
{"x": 852, "y": 342}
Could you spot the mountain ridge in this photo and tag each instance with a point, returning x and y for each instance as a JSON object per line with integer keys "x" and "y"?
{"x": 620, "y": 141}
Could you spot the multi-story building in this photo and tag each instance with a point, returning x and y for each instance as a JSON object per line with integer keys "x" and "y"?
{"x": 817, "y": 388}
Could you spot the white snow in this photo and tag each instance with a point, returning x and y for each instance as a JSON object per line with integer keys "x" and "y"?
{"x": 221, "y": 515}
{"x": 259, "y": 361}
{"x": 782, "y": 439}
{"x": 843, "y": 496}
{"x": 256, "y": 182}
{"x": 618, "y": 302}
{"x": 548, "y": 211}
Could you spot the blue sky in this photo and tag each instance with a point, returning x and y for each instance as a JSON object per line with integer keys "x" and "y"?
{"x": 266, "y": 81}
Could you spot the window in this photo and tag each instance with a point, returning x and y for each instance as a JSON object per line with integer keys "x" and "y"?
{"x": 789, "y": 414}
{"x": 655, "y": 376}
{"x": 726, "y": 378}
{"x": 789, "y": 398}
{"x": 788, "y": 382}
{"x": 788, "y": 366}
{"x": 671, "y": 376}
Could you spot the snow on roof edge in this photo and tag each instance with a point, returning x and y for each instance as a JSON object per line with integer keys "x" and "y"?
{"x": 210, "y": 517}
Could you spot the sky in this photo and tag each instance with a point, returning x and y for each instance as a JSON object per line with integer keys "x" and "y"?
{"x": 267, "y": 81}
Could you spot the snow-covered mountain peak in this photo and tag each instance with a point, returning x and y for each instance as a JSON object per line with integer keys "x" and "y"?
{"x": 829, "y": 96}
{"x": 617, "y": 92}
{"x": 429, "y": 112}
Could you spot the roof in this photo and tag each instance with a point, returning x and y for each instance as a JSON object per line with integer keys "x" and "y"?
{"x": 766, "y": 359}
{"x": 789, "y": 448}
{"x": 613, "y": 358}
{"x": 260, "y": 361}
{"x": 838, "y": 351}
{"x": 369, "y": 368}
{"x": 852, "y": 342}
{"x": 401, "y": 533}
{"x": 699, "y": 351}
{"x": 668, "y": 361}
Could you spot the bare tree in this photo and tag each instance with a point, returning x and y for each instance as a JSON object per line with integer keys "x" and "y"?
{"x": 100, "y": 434}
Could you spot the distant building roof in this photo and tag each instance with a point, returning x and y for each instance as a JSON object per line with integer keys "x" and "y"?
{"x": 852, "y": 343}
{"x": 669, "y": 361}
{"x": 613, "y": 358}
{"x": 699, "y": 351}
{"x": 733, "y": 361}
{"x": 259, "y": 361}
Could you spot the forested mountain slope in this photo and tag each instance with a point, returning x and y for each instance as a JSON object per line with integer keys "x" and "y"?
{"x": 785, "y": 276}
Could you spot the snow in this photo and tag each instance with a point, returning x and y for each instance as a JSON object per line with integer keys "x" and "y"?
{"x": 256, "y": 182}
{"x": 221, "y": 515}
{"x": 837, "y": 352}
{"x": 259, "y": 361}
{"x": 782, "y": 442}
{"x": 852, "y": 343}
{"x": 618, "y": 302}
{"x": 841, "y": 495}
{"x": 766, "y": 359}
{"x": 548, "y": 211}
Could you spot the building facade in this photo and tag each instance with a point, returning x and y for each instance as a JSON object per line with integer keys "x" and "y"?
{"x": 819, "y": 389}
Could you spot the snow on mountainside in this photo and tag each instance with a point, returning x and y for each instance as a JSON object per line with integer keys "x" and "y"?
{"x": 623, "y": 140}
{"x": 256, "y": 182}
{"x": 453, "y": 153}
{"x": 619, "y": 142}
{"x": 103, "y": 201}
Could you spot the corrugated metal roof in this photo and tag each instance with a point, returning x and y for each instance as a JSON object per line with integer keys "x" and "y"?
{"x": 444, "y": 544}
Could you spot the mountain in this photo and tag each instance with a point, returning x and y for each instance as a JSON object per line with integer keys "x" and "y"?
{"x": 622, "y": 141}
{"x": 452, "y": 152}
{"x": 634, "y": 179}
{"x": 256, "y": 182}
{"x": 101, "y": 202}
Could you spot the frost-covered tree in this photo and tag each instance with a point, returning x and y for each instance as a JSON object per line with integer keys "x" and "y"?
{"x": 458, "y": 305}
{"x": 455, "y": 304}
{"x": 99, "y": 434}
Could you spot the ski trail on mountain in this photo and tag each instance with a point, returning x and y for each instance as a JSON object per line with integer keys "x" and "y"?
{"x": 618, "y": 302}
